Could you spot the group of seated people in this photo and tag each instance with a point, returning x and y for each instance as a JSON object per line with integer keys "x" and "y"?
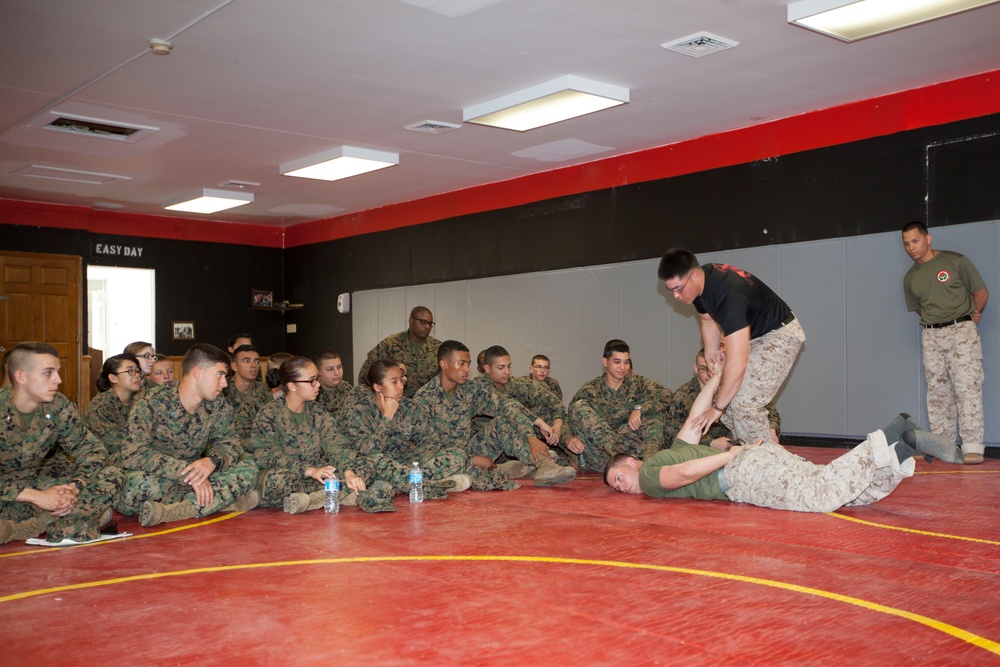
{"x": 221, "y": 439}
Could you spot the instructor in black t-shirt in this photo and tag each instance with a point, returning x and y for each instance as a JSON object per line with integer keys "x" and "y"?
{"x": 761, "y": 334}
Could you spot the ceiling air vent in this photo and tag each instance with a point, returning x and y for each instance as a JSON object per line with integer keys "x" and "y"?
{"x": 433, "y": 126}
{"x": 69, "y": 175}
{"x": 92, "y": 127}
{"x": 700, "y": 44}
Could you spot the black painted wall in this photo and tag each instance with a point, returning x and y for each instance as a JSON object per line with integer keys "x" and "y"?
{"x": 865, "y": 187}
{"x": 208, "y": 283}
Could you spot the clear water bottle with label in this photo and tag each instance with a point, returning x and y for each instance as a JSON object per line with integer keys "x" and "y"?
{"x": 331, "y": 504}
{"x": 416, "y": 484}
{"x": 582, "y": 462}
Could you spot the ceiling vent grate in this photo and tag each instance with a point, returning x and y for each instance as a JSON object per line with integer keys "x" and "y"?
{"x": 700, "y": 44}
{"x": 86, "y": 126}
{"x": 69, "y": 175}
{"x": 433, "y": 127}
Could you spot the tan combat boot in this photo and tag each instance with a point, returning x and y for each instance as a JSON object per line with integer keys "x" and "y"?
{"x": 549, "y": 472}
{"x": 514, "y": 469}
{"x": 24, "y": 530}
{"x": 153, "y": 513}
{"x": 297, "y": 503}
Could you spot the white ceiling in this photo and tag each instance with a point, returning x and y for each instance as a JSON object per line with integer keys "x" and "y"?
{"x": 252, "y": 84}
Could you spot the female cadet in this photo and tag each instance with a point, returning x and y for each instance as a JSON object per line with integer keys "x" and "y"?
{"x": 146, "y": 356}
{"x": 106, "y": 415}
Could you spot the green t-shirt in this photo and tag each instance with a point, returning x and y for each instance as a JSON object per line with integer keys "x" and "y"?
{"x": 941, "y": 288}
{"x": 706, "y": 488}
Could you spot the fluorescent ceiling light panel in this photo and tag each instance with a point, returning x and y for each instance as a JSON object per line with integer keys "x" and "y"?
{"x": 341, "y": 162}
{"x": 550, "y": 102}
{"x": 208, "y": 200}
{"x": 850, "y": 21}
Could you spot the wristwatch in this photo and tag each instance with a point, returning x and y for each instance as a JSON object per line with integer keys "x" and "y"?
{"x": 78, "y": 483}
{"x": 216, "y": 461}
{"x": 638, "y": 407}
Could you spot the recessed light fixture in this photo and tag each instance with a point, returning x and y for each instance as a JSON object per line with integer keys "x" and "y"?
{"x": 550, "y": 102}
{"x": 340, "y": 162}
{"x": 208, "y": 200}
{"x": 852, "y": 20}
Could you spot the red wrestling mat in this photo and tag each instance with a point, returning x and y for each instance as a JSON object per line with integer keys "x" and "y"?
{"x": 554, "y": 576}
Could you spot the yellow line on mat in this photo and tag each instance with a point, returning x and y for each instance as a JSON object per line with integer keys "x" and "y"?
{"x": 913, "y": 530}
{"x": 958, "y": 633}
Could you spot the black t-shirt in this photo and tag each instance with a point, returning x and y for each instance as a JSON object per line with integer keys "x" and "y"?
{"x": 736, "y": 299}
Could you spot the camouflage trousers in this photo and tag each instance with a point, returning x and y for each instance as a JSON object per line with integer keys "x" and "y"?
{"x": 229, "y": 485}
{"x": 601, "y": 440}
{"x": 500, "y": 436}
{"x": 771, "y": 358}
{"x": 770, "y": 476}
{"x": 435, "y": 463}
{"x": 82, "y": 523}
{"x": 275, "y": 485}
{"x": 953, "y": 368}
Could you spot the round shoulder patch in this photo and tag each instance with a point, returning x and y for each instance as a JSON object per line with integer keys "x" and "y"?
{"x": 943, "y": 276}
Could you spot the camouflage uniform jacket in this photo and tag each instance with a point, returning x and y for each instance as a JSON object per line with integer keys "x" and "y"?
{"x": 446, "y": 419}
{"x": 537, "y": 401}
{"x": 549, "y": 382}
{"x": 371, "y": 432}
{"x": 334, "y": 399}
{"x": 283, "y": 441}
{"x": 615, "y": 406}
{"x": 107, "y": 418}
{"x": 251, "y": 405}
{"x": 24, "y": 446}
{"x": 237, "y": 398}
{"x": 421, "y": 365}
{"x": 163, "y": 438}
{"x": 680, "y": 405}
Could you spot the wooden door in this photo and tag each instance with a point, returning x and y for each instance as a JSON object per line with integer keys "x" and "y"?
{"x": 40, "y": 300}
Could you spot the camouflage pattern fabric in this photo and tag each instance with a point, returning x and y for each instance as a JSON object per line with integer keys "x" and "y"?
{"x": 163, "y": 438}
{"x": 421, "y": 364}
{"x": 549, "y": 383}
{"x": 334, "y": 399}
{"x": 247, "y": 412}
{"x": 25, "y": 440}
{"x": 598, "y": 415}
{"x": 107, "y": 418}
{"x": 679, "y": 407}
{"x": 284, "y": 444}
{"x": 237, "y": 398}
{"x": 537, "y": 401}
{"x": 953, "y": 368}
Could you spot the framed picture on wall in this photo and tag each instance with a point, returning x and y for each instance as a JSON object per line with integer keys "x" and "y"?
{"x": 183, "y": 330}
{"x": 262, "y": 298}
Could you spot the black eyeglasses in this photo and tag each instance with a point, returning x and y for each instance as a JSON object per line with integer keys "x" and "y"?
{"x": 426, "y": 323}
{"x": 148, "y": 355}
{"x": 314, "y": 381}
{"x": 131, "y": 372}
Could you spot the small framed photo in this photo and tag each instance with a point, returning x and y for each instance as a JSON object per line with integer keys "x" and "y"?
{"x": 262, "y": 298}
{"x": 183, "y": 330}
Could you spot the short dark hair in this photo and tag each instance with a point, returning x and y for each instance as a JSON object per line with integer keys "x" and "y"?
{"x": 616, "y": 345}
{"x": 448, "y": 347}
{"x": 917, "y": 225}
{"x": 244, "y": 348}
{"x": 236, "y": 337}
{"x": 675, "y": 263}
{"x": 537, "y": 357}
{"x": 378, "y": 370}
{"x": 110, "y": 367}
{"x": 493, "y": 353}
{"x": 17, "y": 357}
{"x": 291, "y": 369}
{"x": 614, "y": 461}
{"x": 325, "y": 355}
{"x": 419, "y": 309}
{"x": 203, "y": 354}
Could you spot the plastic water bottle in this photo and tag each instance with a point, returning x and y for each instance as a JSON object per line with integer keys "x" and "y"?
{"x": 416, "y": 484}
{"x": 331, "y": 504}
{"x": 583, "y": 464}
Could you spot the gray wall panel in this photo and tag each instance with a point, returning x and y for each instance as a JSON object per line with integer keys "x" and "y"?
{"x": 484, "y": 313}
{"x": 600, "y": 319}
{"x": 558, "y": 329}
{"x": 519, "y": 315}
{"x": 645, "y": 320}
{"x": 451, "y": 311}
{"x": 364, "y": 326}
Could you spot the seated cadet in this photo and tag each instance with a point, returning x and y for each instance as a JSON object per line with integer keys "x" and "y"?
{"x": 34, "y": 418}
{"x": 163, "y": 371}
{"x": 615, "y": 412}
{"x": 334, "y": 389}
{"x": 258, "y": 398}
{"x": 107, "y": 414}
{"x": 539, "y": 372}
{"x": 379, "y": 422}
{"x": 295, "y": 441}
{"x": 765, "y": 474}
{"x": 182, "y": 458}
{"x": 679, "y": 407}
{"x": 245, "y": 368}
{"x": 236, "y": 340}
{"x": 447, "y": 405}
{"x": 415, "y": 348}
{"x": 481, "y": 362}
{"x": 542, "y": 406}
{"x": 146, "y": 355}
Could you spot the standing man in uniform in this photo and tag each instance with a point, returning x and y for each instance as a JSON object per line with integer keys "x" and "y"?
{"x": 947, "y": 292}
{"x": 415, "y": 348}
{"x": 761, "y": 335}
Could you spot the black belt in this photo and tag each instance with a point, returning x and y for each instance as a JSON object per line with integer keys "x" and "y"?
{"x": 788, "y": 320}
{"x": 941, "y": 325}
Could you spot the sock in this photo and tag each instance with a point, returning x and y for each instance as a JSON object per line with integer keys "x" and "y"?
{"x": 903, "y": 422}
{"x": 903, "y": 451}
{"x": 934, "y": 445}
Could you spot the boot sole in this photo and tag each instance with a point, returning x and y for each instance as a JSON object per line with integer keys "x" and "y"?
{"x": 562, "y": 478}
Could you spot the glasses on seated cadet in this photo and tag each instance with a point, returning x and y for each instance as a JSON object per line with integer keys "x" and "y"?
{"x": 147, "y": 355}
{"x": 132, "y": 372}
{"x": 540, "y": 366}
{"x": 314, "y": 381}
{"x": 426, "y": 323}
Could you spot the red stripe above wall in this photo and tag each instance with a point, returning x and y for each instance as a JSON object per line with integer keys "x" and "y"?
{"x": 951, "y": 101}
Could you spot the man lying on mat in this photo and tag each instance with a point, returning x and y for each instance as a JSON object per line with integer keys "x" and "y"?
{"x": 767, "y": 475}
